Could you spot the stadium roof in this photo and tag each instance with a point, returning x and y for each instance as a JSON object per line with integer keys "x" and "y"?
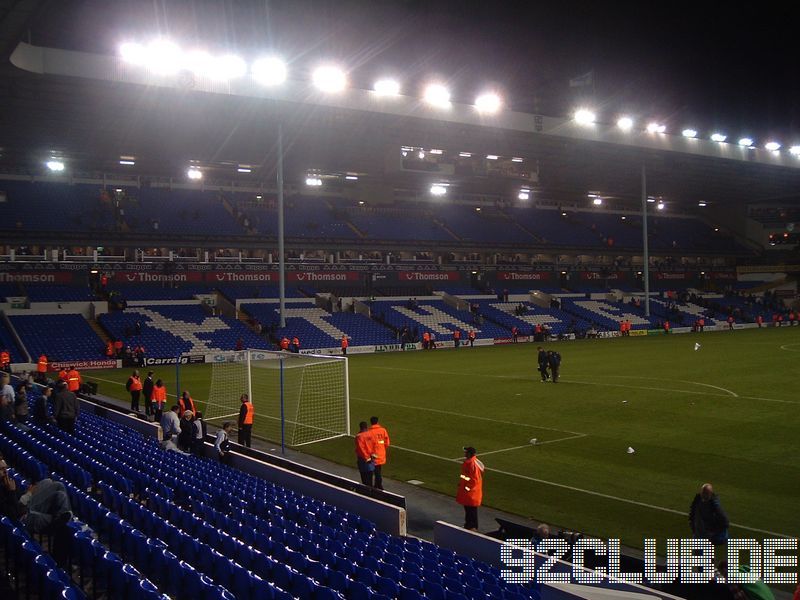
{"x": 91, "y": 109}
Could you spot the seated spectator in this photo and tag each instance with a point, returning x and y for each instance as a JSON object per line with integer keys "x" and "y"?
{"x": 9, "y": 494}
{"x": 46, "y": 509}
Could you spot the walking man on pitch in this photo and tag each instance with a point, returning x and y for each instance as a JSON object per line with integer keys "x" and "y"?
{"x": 541, "y": 358}
{"x": 471, "y": 338}
{"x": 246, "y": 414}
{"x": 554, "y": 360}
{"x": 382, "y": 441}
{"x": 470, "y": 487}
{"x": 366, "y": 452}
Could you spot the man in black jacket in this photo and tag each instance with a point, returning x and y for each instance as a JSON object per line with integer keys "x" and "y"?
{"x": 554, "y": 361}
{"x": 66, "y": 407}
{"x": 707, "y": 519}
{"x": 147, "y": 391}
{"x": 542, "y": 360}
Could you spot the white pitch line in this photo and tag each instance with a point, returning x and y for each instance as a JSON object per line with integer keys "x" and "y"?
{"x": 466, "y": 416}
{"x": 529, "y": 445}
{"x": 592, "y": 492}
{"x": 117, "y": 383}
{"x": 716, "y": 387}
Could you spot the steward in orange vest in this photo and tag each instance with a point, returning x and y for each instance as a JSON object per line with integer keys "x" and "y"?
{"x": 366, "y": 452}
{"x": 457, "y": 338}
{"x": 159, "y": 398}
{"x": 62, "y": 375}
{"x": 470, "y": 487}
{"x": 345, "y": 344}
{"x": 284, "y": 343}
{"x": 382, "y": 445}
{"x": 74, "y": 380}
{"x": 246, "y": 414}
{"x": 471, "y": 338}
{"x": 185, "y": 403}
{"x": 134, "y": 386}
{"x": 5, "y": 360}
{"x": 41, "y": 366}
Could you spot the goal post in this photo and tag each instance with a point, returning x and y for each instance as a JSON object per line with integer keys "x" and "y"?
{"x": 298, "y": 398}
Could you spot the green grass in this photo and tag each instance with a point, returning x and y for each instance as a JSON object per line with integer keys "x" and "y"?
{"x": 729, "y": 414}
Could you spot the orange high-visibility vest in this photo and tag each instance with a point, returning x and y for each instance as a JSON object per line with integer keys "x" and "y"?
{"x": 284, "y": 343}
{"x": 160, "y": 394}
{"x": 382, "y": 442}
{"x": 184, "y": 405}
{"x": 248, "y": 416}
{"x": 472, "y": 335}
{"x": 41, "y": 366}
{"x": 73, "y": 380}
{"x": 136, "y": 384}
{"x": 470, "y": 485}
{"x": 457, "y": 334}
{"x": 345, "y": 343}
{"x": 296, "y": 342}
{"x": 426, "y": 336}
{"x": 5, "y": 358}
{"x": 365, "y": 445}
{"x": 62, "y": 374}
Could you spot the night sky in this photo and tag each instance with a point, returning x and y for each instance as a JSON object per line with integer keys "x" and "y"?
{"x": 712, "y": 66}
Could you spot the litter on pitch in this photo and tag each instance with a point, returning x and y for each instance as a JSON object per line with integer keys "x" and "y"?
{"x": 631, "y": 450}
{"x": 533, "y": 441}
{"x": 696, "y": 346}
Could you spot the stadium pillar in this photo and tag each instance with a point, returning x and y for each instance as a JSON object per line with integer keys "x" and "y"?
{"x": 645, "y": 248}
{"x": 281, "y": 259}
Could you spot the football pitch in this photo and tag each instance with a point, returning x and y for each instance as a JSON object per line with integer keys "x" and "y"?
{"x": 728, "y": 413}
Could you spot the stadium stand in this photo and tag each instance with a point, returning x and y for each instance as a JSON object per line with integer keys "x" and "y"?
{"x": 383, "y": 223}
{"x": 607, "y": 314}
{"x": 184, "y": 328}
{"x": 59, "y": 336}
{"x": 7, "y": 342}
{"x": 557, "y": 321}
{"x": 153, "y": 292}
{"x": 154, "y": 522}
{"x": 434, "y": 316}
{"x": 59, "y": 293}
{"x": 488, "y": 225}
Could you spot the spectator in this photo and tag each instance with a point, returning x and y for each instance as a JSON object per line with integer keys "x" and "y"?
{"x": 9, "y": 493}
{"x": 707, "y": 519}
{"x": 41, "y": 409}
{"x": 66, "y": 408}
{"x": 147, "y": 393}
{"x": 46, "y": 509}
{"x": 7, "y": 397}
{"x": 199, "y": 432}
{"x": 186, "y": 436}
{"x": 170, "y": 424}
{"x": 223, "y": 444}
{"x": 21, "y": 403}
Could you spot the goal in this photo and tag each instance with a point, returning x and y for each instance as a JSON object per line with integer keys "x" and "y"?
{"x": 298, "y": 398}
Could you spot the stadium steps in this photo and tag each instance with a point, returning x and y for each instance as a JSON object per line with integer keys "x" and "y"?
{"x": 447, "y": 229}
{"x": 769, "y": 285}
{"x": 98, "y": 329}
{"x": 522, "y": 227}
{"x": 354, "y": 229}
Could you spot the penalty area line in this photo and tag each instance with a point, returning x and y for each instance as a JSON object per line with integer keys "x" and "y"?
{"x": 529, "y": 445}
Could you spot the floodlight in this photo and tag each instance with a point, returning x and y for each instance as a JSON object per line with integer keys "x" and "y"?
{"x": 745, "y": 141}
{"x": 329, "y": 79}
{"x": 650, "y": 199}
{"x": 351, "y": 177}
{"x": 436, "y": 151}
{"x": 133, "y": 53}
{"x": 163, "y": 57}
{"x": 194, "y": 173}
{"x": 772, "y": 146}
{"x": 477, "y": 209}
{"x": 198, "y": 62}
{"x": 227, "y": 67}
{"x": 656, "y": 128}
{"x": 625, "y": 123}
{"x": 492, "y": 157}
{"x": 623, "y": 217}
{"x": 438, "y": 189}
{"x": 523, "y": 195}
{"x": 127, "y": 162}
{"x": 584, "y": 116}
{"x": 516, "y": 159}
{"x": 421, "y": 154}
{"x": 660, "y": 206}
{"x": 313, "y": 181}
{"x": 437, "y": 95}
{"x": 55, "y": 165}
{"x": 386, "y": 87}
{"x": 718, "y": 137}
{"x": 716, "y": 228}
{"x": 488, "y": 103}
{"x": 361, "y": 203}
{"x": 794, "y": 150}
{"x": 701, "y": 204}
{"x": 244, "y": 170}
{"x": 689, "y": 133}
{"x": 465, "y": 154}
{"x": 269, "y": 70}
{"x": 597, "y": 201}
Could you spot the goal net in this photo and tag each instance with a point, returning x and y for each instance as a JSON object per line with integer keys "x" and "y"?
{"x": 298, "y": 398}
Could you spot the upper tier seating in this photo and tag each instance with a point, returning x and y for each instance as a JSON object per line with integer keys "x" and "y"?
{"x": 179, "y": 212}
{"x": 608, "y": 315}
{"x": 60, "y": 337}
{"x": 7, "y": 343}
{"x": 171, "y": 330}
{"x": 557, "y": 321}
{"x": 435, "y": 316}
{"x": 488, "y": 225}
{"x": 59, "y": 293}
{"x": 198, "y": 529}
{"x": 384, "y": 223}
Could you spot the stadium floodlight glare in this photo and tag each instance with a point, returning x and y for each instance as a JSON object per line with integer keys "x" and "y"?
{"x": 269, "y": 70}
{"x": 133, "y": 53}
{"x": 436, "y": 151}
{"x": 351, "y": 177}
{"x": 794, "y": 150}
{"x": 313, "y": 181}
{"x": 772, "y": 146}
{"x": 55, "y": 165}
{"x": 386, "y": 87}
{"x": 597, "y": 201}
{"x": 163, "y": 57}
{"x": 127, "y": 162}
{"x": 421, "y": 154}
{"x": 465, "y": 154}
{"x": 437, "y": 95}
{"x": 625, "y": 123}
{"x": 701, "y": 204}
{"x": 524, "y": 195}
{"x": 656, "y": 128}
{"x": 584, "y": 116}
{"x": 718, "y": 137}
{"x": 361, "y": 203}
{"x": 516, "y": 159}
{"x": 492, "y": 157}
{"x": 194, "y": 173}
{"x": 228, "y": 66}
{"x": 623, "y": 217}
{"x": 746, "y": 141}
{"x": 488, "y": 103}
{"x": 438, "y": 189}
{"x": 244, "y": 170}
{"x": 660, "y": 206}
{"x": 329, "y": 79}
{"x": 477, "y": 209}
{"x": 689, "y": 133}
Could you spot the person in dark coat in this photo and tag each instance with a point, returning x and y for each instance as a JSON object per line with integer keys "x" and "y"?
{"x": 554, "y": 362}
{"x": 542, "y": 360}
{"x": 147, "y": 392}
{"x": 707, "y": 518}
